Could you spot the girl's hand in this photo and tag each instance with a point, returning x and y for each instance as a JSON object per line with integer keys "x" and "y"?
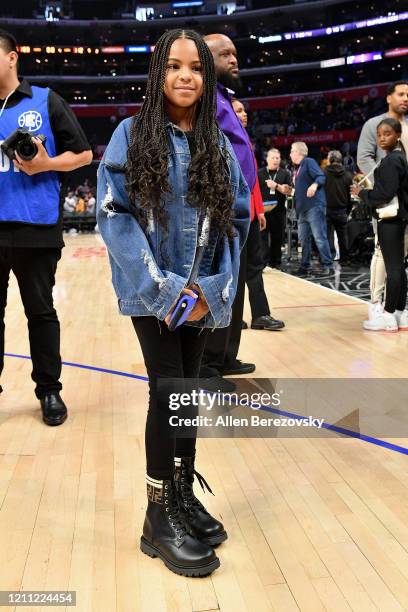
{"x": 183, "y": 292}
{"x": 201, "y": 308}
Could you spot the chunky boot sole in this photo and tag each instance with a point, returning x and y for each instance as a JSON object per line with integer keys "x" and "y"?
{"x": 203, "y": 570}
{"x": 215, "y": 540}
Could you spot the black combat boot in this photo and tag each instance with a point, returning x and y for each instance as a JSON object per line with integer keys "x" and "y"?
{"x": 200, "y": 522}
{"x": 165, "y": 534}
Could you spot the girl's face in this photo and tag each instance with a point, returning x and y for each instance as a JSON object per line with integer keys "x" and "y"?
{"x": 240, "y": 111}
{"x": 387, "y": 138}
{"x": 183, "y": 85}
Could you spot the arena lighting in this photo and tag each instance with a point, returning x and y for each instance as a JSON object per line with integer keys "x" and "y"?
{"x": 113, "y": 49}
{"x": 354, "y": 25}
{"x": 362, "y": 58}
{"x": 187, "y": 4}
{"x": 396, "y": 52}
{"x": 81, "y": 50}
{"x": 137, "y": 49}
{"x": 331, "y": 63}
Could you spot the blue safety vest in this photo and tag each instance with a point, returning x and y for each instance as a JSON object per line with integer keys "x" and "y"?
{"x": 28, "y": 199}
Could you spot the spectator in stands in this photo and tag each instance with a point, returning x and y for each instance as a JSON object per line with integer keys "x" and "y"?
{"x": 369, "y": 153}
{"x": 271, "y": 178}
{"x": 310, "y": 200}
{"x": 70, "y": 202}
{"x": 390, "y": 181}
{"x": 80, "y": 205}
{"x": 90, "y": 202}
{"x": 337, "y": 187}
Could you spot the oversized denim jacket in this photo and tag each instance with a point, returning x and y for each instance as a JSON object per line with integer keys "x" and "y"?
{"x": 148, "y": 276}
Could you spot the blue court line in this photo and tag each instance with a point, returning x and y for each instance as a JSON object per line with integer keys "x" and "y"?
{"x": 87, "y": 367}
{"x": 341, "y": 430}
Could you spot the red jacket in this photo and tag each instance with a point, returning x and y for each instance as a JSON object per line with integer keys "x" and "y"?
{"x": 257, "y": 206}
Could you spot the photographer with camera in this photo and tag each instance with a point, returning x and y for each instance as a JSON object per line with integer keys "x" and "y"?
{"x": 41, "y": 138}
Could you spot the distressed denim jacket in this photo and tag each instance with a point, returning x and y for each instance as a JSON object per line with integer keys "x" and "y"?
{"x": 149, "y": 268}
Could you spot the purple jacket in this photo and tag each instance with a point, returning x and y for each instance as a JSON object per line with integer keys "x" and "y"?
{"x": 237, "y": 135}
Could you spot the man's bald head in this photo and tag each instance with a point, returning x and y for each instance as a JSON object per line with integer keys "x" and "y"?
{"x": 225, "y": 59}
{"x": 215, "y": 40}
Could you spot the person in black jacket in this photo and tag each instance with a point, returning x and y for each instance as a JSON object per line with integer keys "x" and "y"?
{"x": 390, "y": 181}
{"x": 270, "y": 180}
{"x": 338, "y": 182}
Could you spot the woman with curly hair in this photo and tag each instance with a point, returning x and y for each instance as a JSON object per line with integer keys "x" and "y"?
{"x": 173, "y": 209}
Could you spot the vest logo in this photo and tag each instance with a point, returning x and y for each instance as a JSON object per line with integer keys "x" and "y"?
{"x": 30, "y": 120}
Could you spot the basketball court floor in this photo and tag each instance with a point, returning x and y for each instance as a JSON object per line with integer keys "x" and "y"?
{"x": 314, "y": 523}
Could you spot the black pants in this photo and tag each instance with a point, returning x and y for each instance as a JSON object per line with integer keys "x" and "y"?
{"x": 273, "y": 236}
{"x": 35, "y": 272}
{"x": 222, "y": 344}
{"x": 167, "y": 355}
{"x": 255, "y": 265}
{"x": 337, "y": 221}
{"x": 391, "y": 238}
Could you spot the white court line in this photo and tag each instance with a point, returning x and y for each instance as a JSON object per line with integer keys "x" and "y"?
{"x": 352, "y": 297}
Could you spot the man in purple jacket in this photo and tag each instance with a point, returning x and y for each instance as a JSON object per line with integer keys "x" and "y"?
{"x": 220, "y": 355}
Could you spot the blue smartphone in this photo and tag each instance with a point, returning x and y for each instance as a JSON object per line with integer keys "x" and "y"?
{"x": 182, "y": 310}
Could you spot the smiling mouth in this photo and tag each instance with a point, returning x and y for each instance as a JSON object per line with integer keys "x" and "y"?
{"x": 184, "y": 89}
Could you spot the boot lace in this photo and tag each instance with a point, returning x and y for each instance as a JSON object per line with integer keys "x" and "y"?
{"x": 173, "y": 510}
{"x": 190, "y": 501}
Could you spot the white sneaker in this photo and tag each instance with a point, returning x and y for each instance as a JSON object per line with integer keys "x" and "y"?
{"x": 402, "y": 319}
{"x": 384, "y": 321}
{"x": 374, "y": 310}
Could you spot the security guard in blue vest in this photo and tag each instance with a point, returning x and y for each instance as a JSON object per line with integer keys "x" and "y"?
{"x": 31, "y": 216}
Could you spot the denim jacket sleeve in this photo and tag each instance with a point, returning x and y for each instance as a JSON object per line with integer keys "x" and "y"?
{"x": 125, "y": 240}
{"x": 219, "y": 289}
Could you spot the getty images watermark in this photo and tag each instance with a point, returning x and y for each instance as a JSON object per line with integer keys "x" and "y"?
{"x": 254, "y": 401}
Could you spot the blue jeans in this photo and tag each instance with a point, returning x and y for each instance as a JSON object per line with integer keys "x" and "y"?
{"x": 313, "y": 222}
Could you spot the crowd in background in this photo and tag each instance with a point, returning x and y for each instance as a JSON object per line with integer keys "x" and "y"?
{"x": 81, "y": 200}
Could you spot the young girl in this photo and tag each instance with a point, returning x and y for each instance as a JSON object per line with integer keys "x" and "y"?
{"x": 390, "y": 179}
{"x": 173, "y": 209}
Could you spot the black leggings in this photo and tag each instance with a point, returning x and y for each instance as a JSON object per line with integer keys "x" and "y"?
{"x": 167, "y": 355}
{"x": 391, "y": 238}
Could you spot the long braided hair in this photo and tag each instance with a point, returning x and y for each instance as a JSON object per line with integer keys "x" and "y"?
{"x": 209, "y": 187}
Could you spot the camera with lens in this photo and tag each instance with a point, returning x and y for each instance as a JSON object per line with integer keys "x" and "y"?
{"x": 21, "y": 142}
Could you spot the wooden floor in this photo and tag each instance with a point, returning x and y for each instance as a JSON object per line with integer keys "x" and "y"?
{"x": 313, "y": 525}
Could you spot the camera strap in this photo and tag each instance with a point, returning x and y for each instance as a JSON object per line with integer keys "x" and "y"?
{"x": 5, "y": 102}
